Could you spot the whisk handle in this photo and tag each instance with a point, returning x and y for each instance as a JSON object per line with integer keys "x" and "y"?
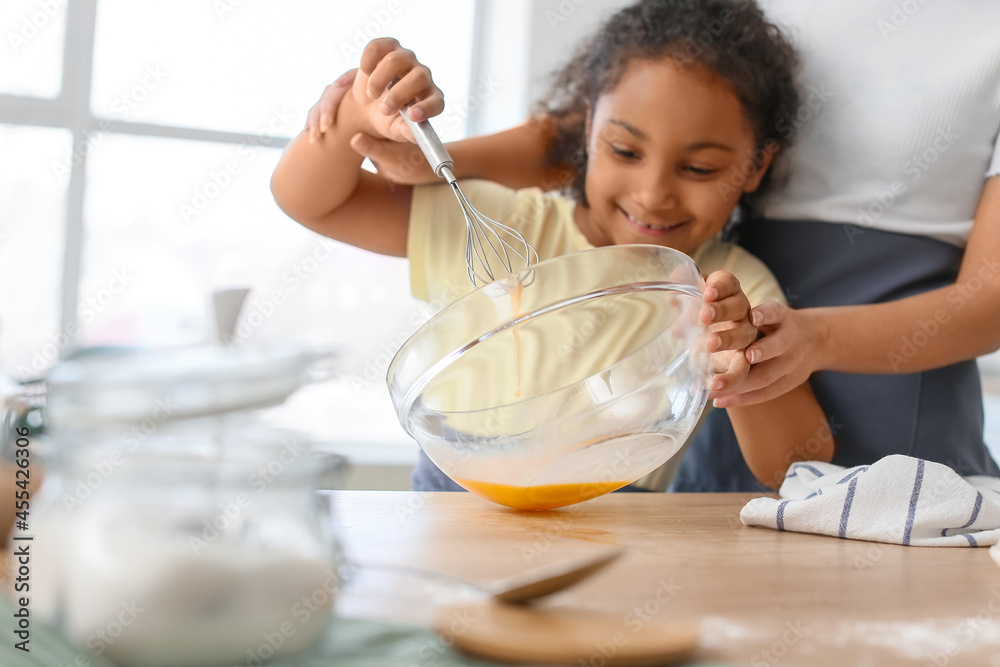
{"x": 433, "y": 149}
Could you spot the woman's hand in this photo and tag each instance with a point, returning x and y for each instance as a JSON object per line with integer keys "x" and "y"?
{"x": 726, "y": 313}
{"x": 321, "y": 115}
{"x": 783, "y": 359}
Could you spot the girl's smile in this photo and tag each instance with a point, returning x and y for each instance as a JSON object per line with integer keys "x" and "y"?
{"x": 667, "y": 149}
{"x": 655, "y": 230}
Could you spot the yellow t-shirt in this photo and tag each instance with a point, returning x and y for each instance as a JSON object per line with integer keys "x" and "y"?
{"x": 436, "y": 245}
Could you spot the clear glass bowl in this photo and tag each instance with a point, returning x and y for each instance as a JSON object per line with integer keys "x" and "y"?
{"x": 561, "y": 383}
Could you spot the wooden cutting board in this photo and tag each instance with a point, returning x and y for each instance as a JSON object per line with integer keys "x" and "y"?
{"x": 556, "y": 635}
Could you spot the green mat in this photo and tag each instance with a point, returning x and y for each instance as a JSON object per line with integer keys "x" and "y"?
{"x": 348, "y": 643}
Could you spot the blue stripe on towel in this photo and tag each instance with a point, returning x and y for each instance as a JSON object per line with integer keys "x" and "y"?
{"x": 975, "y": 514}
{"x": 808, "y": 467}
{"x": 972, "y": 540}
{"x": 913, "y": 502}
{"x": 842, "y": 533}
{"x": 849, "y": 476}
{"x": 781, "y": 514}
{"x": 975, "y": 510}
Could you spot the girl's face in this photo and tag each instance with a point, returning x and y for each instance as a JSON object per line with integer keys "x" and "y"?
{"x": 669, "y": 154}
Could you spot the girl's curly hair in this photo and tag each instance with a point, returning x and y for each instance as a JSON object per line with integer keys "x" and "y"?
{"x": 732, "y": 38}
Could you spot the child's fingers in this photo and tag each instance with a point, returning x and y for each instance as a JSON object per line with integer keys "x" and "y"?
{"x": 374, "y": 52}
{"x": 719, "y": 285}
{"x": 734, "y": 375}
{"x": 729, "y": 309}
{"x": 759, "y": 377}
{"x": 754, "y": 390}
{"x": 416, "y": 85}
{"x": 732, "y": 338}
{"x": 395, "y": 65}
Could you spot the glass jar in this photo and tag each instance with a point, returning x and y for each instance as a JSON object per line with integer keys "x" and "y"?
{"x": 172, "y": 530}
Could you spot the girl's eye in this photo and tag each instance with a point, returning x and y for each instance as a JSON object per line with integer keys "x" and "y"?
{"x": 625, "y": 153}
{"x": 699, "y": 171}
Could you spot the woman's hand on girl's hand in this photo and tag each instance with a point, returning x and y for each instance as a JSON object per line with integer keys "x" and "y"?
{"x": 390, "y": 77}
{"x": 783, "y": 359}
{"x": 321, "y": 115}
{"x": 726, "y": 314}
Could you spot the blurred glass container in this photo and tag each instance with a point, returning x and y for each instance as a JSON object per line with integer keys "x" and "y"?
{"x": 171, "y": 530}
{"x": 561, "y": 383}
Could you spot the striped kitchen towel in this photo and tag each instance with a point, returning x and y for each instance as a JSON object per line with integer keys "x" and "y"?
{"x": 898, "y": 499}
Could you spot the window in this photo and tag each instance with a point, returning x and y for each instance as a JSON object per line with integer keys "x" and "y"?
{"x": 138, "y": 138}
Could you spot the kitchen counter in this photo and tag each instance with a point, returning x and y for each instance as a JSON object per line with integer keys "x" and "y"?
{"x": 758, "y": 596}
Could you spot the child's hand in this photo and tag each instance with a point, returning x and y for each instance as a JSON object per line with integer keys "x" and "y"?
{"x": 727, "y": 314}
{"x": 389, "y": 78}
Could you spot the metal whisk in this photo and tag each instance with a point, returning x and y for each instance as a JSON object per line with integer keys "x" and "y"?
{"x": 489, "y": 245}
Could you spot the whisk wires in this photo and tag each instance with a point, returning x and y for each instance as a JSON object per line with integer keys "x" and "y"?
{"x": 491, "y": 245}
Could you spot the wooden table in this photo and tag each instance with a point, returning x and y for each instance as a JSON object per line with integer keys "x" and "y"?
{"x": 759, "y": 596}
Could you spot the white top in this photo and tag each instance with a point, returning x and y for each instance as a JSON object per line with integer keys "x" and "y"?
{"x": 899, "y": 124}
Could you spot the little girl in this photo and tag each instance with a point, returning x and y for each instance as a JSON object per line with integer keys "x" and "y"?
{"x": 673, "y": 126}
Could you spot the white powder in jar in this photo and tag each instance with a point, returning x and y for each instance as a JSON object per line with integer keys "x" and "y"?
{"x": 131, "y": 586}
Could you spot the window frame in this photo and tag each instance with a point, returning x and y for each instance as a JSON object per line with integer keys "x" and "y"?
{"x": 71, "y": 110}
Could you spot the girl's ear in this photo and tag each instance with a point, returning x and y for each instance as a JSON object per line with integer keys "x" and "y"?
{"x": 766, "y": 156}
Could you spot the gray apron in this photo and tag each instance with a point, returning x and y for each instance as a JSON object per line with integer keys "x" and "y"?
{"x": 935, "y": 415}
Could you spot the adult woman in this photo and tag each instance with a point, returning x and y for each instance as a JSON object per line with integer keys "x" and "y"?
{"x": 885, "y": 232}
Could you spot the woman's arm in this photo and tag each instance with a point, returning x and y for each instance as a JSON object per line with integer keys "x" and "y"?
{"x": 918, "y": 333}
